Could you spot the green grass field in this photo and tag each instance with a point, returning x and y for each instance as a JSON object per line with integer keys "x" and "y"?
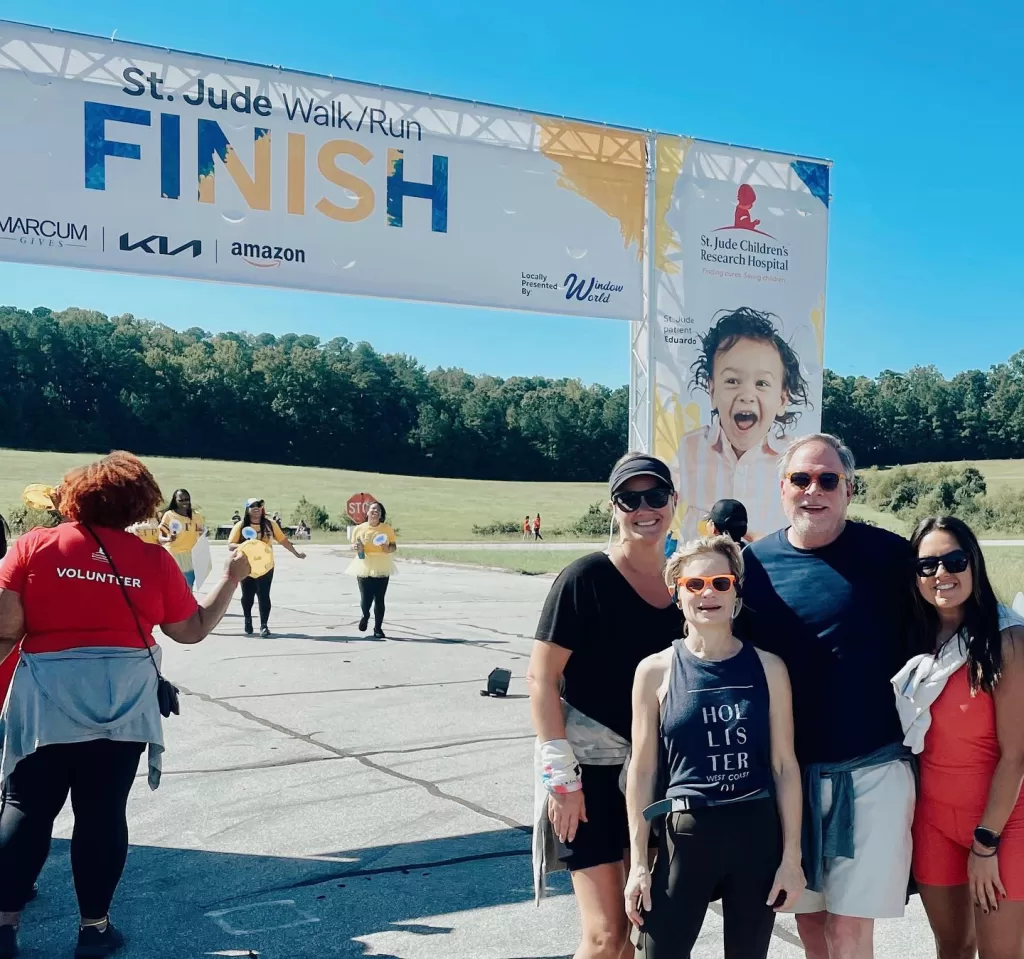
{"x": 999, "y": 474}
{"x": 423, "y": 508}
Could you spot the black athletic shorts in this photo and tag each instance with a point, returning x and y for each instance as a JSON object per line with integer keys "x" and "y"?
{"x": 605, "y": 835}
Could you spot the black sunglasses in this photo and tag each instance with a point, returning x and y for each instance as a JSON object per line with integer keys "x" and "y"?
{"x": 828, "y": 480}
{"x": 629, "y": 500}
{"x": 955, "y": 562}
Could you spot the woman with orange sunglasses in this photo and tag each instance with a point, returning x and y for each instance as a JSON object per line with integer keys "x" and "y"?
{"x": 713, "y": 761}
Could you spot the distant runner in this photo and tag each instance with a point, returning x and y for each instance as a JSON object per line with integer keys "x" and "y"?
{"x": 373, "y": 542}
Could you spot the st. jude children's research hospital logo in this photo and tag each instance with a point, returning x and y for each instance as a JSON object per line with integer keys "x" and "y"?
{"x": 756, "y": 254}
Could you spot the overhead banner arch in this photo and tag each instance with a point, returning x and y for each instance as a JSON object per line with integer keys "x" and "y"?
{"x": 135, "y": 159}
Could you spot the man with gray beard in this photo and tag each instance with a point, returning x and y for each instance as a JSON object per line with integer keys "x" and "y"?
{"x": 830, "y": 597}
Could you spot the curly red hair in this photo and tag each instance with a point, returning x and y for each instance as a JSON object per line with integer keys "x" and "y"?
{"x": 114, "y": 492}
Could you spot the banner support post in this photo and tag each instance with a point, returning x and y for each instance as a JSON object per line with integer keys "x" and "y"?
{"x": 641, "y": 338}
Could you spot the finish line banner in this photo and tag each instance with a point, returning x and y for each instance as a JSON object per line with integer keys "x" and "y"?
{"x": 139, "y": 160}
{"x": 739, "y": 324}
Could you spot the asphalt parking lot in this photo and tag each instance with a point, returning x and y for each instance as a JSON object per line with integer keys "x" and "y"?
{"x": 327, "y": 794}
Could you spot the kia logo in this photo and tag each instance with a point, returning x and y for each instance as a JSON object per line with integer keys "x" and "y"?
{"x": 163, "y": 246}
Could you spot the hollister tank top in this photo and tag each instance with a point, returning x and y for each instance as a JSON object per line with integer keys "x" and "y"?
{"x": 715, "y": 736}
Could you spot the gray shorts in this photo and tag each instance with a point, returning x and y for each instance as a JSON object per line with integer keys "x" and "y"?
{"x": 872, "y": 885}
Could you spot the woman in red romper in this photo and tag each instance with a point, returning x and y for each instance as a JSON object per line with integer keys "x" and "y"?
{"x": 969, "y": 824}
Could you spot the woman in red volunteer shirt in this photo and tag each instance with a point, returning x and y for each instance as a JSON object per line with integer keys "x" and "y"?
{"x": 83, "y": 599}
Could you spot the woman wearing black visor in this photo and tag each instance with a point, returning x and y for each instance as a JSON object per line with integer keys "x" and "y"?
{"x": 605, "y": 613}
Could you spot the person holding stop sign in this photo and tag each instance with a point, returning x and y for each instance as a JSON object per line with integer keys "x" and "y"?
{"x": 373, "y": 542}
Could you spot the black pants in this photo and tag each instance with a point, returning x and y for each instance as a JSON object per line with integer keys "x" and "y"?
{"x": 728, "y": 852}
{"x": 257, "y": 589}
{"x": 99, "y": 776}
{"x": 371, "y": 591}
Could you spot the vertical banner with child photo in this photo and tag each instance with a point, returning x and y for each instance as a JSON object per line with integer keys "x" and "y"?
{"x": 739, "y": 321}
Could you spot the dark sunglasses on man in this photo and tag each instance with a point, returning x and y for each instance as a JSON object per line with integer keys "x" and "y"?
{"x": 828, "y": 480}
{"x": 953, "y": 562}
{"x": 629, "y": 501}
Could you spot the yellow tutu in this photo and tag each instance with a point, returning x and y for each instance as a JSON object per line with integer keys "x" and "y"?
{"x": 376, "y": 565}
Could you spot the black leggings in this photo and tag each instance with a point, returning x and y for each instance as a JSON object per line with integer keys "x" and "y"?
{"x": 99, "y": 775}
{"x": 728, "y": 852}
{"x": 371, "y": 591}
{"x": 257, "y": 589}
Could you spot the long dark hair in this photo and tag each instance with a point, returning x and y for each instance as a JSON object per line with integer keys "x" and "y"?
{"x": 980, "y": 629}
{"x": 383, "y": 512}
{"x": 172, "y": 506}
{"x": 265, "y": 528}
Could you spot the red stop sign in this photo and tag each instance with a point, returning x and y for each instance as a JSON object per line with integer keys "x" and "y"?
{"x": 358, "y": 505}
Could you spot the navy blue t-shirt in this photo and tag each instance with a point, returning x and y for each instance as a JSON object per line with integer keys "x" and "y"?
{"x": 840, "y": 619}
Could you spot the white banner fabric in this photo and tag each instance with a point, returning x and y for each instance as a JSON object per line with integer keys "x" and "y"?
{"x": 740, "y": 255}
{"x": 140, "y": 160}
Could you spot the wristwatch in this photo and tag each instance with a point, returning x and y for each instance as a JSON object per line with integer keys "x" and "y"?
{"x": 986, "y": 838}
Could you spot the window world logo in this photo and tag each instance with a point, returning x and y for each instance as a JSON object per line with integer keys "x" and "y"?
{"x": 163, "y": 246}
{"x": 589, "y": 289}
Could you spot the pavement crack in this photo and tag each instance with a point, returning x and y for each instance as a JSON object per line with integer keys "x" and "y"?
{"x": 359, "y": 689}
{"x": 498, "y": 632}
{"x": 362, "y": 759}
{"x": 461, "y": 742}
{"x": 246, "y": 767}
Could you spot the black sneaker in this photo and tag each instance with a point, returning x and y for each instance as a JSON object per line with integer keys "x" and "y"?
{"x": 363, "y": 623}
{"x": 93, "y": 944}
{"x": 378, "y": 633}
{"x": 8, "y": 942}
{"x": 248, "y": 627}
{"x": 265, "y": 632}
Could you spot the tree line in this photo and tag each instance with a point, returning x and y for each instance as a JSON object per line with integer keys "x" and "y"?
{"x": 79, "y": 381}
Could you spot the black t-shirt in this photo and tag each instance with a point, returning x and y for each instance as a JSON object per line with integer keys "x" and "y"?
{"x": 593, "y": 612}
{"x": 840, "y": 619}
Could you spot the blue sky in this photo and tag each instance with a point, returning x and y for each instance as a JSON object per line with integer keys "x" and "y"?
{"x": 918, "y": 104}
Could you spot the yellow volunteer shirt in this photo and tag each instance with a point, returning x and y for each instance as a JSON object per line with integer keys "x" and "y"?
{"x": 276, "y": 533}
{"x": 188, "y": 529}
{"x": 368, "y": 533}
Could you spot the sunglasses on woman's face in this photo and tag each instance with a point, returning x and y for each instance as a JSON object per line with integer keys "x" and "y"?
{"x": 955, "y": 562}
{"x": 697, "y": 584}
{"x": 828, "y": 480}
{"x": 629, "y": 500}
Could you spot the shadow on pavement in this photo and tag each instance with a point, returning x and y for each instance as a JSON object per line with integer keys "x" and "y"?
{"x": 193, "y": 902}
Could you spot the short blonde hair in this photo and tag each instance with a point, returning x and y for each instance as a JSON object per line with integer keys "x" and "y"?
{"x": 705, "y": 546}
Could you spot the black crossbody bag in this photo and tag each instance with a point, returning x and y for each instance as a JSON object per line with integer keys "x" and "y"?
{"x": 166, "y": 691}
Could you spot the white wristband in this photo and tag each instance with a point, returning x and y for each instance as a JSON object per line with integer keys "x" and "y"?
{"x": 560, "y": 772}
